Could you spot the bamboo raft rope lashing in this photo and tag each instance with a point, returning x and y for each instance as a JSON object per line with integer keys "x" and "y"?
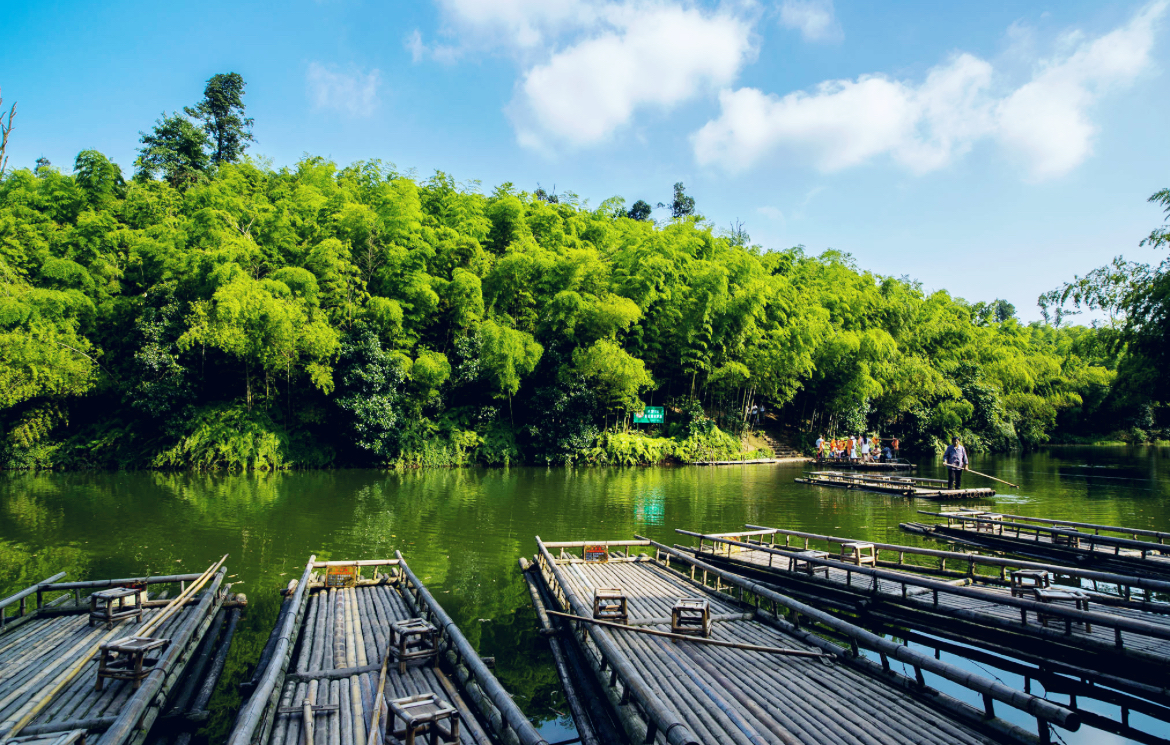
{"x": 47, "y": 658}
{"x": 902, "y": 486}
{"x": 1063, "y": 545}
{"x": 680, "y": 694}
{"x": 1115, "y": 645}
{"x": 331, "y": 675}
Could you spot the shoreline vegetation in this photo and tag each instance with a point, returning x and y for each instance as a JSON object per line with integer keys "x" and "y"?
{"x": 215, "y": 311}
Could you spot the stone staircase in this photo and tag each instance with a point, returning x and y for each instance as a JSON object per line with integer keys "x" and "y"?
{"x": 781, "y": 448}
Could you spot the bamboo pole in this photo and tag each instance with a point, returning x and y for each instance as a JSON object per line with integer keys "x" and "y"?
{"x": 977, "y": 473}
{"x": 689, "y": 638}
{"x": 46, "y": 697}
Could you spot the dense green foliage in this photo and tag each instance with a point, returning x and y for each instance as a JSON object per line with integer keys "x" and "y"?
{"x": 1136, "y": 300}
{"x": 310, "y": 316}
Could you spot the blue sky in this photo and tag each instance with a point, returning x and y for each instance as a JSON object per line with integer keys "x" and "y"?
{"x": 992, "y": 149}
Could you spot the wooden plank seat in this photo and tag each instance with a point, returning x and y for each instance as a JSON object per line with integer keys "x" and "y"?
{"x": 610, "y": 604}
{"x": 861, "y": 554}
{"x": 424, "y": 714}
{"x": 109, "y": 606}
{"x": 691, "y": 616}
{"x": 799, "y": 562}
{"x": 1079, "y": 598}
{"x": 1025, "y": 581}
{"x": 414, "y": 640}
{"x": 125, "y": 659}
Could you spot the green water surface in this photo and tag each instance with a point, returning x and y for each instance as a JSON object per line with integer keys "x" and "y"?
{"x": 463, "y": 530}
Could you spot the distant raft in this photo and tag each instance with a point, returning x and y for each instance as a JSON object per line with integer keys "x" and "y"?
{"x": 902, "y": 486}
{"x": 371, "y": 661}
{"x": 98, "y": 668}
{"x": 1063, "y": 542}
{"x": 885, "y": 465}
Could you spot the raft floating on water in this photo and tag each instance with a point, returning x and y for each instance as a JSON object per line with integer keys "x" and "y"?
{"x": 903, "y": 486}
{"x": 50, "y": 656}
{"x": 354, "y": 658}
{"x": 1056, "y": 541}
{"x": 1119, "y": 639}
{"x": 758, "y": 684}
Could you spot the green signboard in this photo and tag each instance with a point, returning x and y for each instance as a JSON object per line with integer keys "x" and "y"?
{"x": 651, "y": 415}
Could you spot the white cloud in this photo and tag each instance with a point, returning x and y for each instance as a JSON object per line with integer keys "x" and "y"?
{"x": 646, "y": 56}
{"x": 814, "y": 18}
{"x": 523, "y": 24}
{"x": 354, "y": 92}
{"x": 414, "y": 44}
{"x": 770, "y": 212}
{"x": 843, "y": 123}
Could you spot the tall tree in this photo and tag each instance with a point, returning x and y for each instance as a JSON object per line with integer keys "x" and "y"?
{"x": 222, "y": 114}
{"x": 5, "y": 129}
{"x": 682, "y": 205}
{"x": 640, "y": 211}
{"x": 176, "y": 148}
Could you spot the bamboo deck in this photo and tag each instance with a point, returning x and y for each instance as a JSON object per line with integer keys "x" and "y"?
{"x": 330, "y": 652}
{"x": 903, "y": 486}
{"x": 688, "y": 691}
{"x": 1059, "y": 544}
{"x": 39, "y": 649}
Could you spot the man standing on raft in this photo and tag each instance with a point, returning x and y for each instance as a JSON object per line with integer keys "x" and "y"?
{"x": 955, "y": 460}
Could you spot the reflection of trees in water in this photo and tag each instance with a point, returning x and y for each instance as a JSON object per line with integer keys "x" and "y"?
{"x": 22, "y": 566}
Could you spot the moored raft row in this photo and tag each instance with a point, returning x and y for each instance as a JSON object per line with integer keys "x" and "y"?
{"x": 74, "y": 668}
{"x": 1055, "y": 541}
{"x": 1070, "y": 625}
{"x": 904, "y": 486}
{"x": 359, "y": 660}
{"x": 752, "y": 680}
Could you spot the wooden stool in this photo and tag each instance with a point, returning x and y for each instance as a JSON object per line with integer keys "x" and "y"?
{"x": 1063, "y": 539}
{"x": 1024, "y": 581}
{"x": 609, "y": 604}
{"x": 423, "y": 715}
{"x": 859, "y": 553}
{"x": 113, "y": 605}
{"x": 691, "y": 616}
{"x": 963, "y": 518}
{"x": 413, "y": 640}
{"x": 1079, "y": 598}
{"x": 800, "y": 563}
{"x": 125, "y": 659}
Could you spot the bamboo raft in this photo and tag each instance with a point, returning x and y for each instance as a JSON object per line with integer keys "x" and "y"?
{"x": 330, "y": 674}
{"x": 50, "y": 655}
{"x": 1122, "y": 642}
{"x": 753, "y": 680}
{"x": 896, "y": 465}
{"x": 903, "y": 486}
{"x": 1058, "y": 542}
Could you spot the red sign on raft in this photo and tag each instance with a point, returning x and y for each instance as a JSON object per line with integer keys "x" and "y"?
{"x": 596, "y": 553}
{"x": 344, "y": 576}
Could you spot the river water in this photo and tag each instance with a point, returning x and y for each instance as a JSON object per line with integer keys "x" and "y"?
{"x": 463, "y": 530}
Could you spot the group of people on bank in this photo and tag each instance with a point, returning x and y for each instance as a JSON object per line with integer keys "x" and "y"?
{"x": 858, "y": 449}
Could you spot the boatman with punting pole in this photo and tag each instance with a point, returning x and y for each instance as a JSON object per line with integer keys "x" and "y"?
{"x": 955, "y": 460}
